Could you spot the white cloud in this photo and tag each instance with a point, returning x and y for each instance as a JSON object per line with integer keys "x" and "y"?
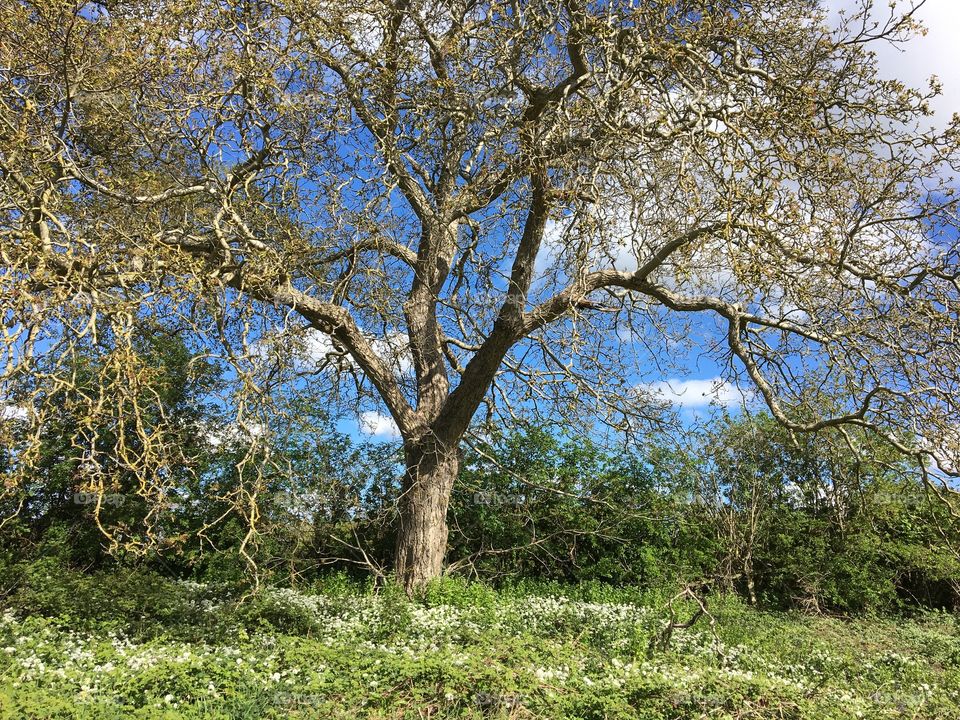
{"x": 944, "y": 446}
{"x": 933, "y": 54}
{"x": 395, "y": 350}
{"x": 698, "y": 393}
{"x": 554, "y": 237}
{"x": 616, "y": 246}
{"x": 379, "y": 425}
{"x": 316, "y": 347}
{"x": 12, "y": 412}
{"x": 232, "y": 433}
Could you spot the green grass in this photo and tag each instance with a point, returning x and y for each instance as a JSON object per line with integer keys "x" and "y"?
{"x": 181, "y": 650}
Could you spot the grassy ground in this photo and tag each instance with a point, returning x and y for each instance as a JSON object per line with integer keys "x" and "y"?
{"x": 179, "y": 650}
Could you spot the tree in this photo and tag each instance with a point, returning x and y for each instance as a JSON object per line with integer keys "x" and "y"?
{"x": 463, "y": 204}
{"x": 801, "y": 495}
{"x": 531, "y": 504}
{"x": 64, "y": 493}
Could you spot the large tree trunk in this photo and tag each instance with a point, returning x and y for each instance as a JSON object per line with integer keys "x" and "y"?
{"x": 422, "y": 535}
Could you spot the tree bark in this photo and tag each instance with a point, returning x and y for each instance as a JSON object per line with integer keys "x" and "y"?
{"x": 422, "y": 534}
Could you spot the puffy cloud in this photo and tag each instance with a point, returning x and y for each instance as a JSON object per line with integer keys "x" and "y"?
{"x": 316, "y": 347}
{"x": 232, "y": 432}
{"x": 694, "y": 393}
{"x": 379, "y": 425}
{"x": 932, "y": 54}
{"x": 12, "y": 412}
{"x": 394, "y": 349}
{"x": 944, "y": 447}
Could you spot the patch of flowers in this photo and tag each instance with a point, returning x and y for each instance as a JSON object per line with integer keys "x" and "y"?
{"x": 289, "y": 653}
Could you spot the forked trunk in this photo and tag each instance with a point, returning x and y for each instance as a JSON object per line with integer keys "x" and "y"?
{"x": 422, "y": 535}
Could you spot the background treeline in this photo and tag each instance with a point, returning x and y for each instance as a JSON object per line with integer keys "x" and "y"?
{"x": 825, "y": 522}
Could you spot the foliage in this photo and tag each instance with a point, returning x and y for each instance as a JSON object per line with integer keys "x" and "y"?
{"x": 429, "y": 208}
{"x": 531, "y": 504}
{"x": 787, "y": 522}
{"x": 67, "y": 507}
{"x": 826, "y": 521}
{"x": 464, "y": 650}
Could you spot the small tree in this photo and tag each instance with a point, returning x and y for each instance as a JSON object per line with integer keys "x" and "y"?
{"x": 80, "y": 477}
{"x": 456, "y": 203}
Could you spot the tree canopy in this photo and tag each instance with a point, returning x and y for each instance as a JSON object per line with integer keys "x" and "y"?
{"x": 457, "y": 204}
